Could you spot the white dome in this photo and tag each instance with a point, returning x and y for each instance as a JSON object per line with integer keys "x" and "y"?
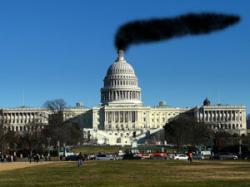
{"x": 120, "y": 67}
{"x": 120, "y": 83}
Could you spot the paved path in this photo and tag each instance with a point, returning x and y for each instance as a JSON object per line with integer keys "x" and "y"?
{"x": 16, "y": 165}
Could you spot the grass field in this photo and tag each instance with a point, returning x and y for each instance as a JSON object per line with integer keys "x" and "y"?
{"x": 134, "y": 173}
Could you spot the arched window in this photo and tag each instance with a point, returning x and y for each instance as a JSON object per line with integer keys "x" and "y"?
{"x": 118, "y": 140}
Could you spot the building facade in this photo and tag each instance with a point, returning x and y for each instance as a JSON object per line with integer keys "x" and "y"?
{"x": 20, "y": 119}
{"x": 121, "y": 117}
{"x": 230, "y": 118}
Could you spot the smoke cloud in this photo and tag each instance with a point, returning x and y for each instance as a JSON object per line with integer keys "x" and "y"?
{"x": 144, "y": 31}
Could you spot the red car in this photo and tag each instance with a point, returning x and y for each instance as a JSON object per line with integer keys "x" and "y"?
{"x": 160, "y": 155}
{"x": 144, "y": 155}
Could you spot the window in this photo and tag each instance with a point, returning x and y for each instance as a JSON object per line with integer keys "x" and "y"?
{"x": 118, "y": 140}
{"x": 121, "y": 116}
{"x": 116, "y": 117}
{"x": 109, "y": 117}
{"x": 126, "y": 116}
{"x": 133, "y": 116}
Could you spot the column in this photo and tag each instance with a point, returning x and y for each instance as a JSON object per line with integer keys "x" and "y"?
{"x": 124, "y": 116}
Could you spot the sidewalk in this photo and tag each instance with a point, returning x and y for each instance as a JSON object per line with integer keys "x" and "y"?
{"x": 17, "y": 165}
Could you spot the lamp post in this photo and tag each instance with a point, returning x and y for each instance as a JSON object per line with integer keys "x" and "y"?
{"x": 240, "y": 142}
{"x": 48, "y": 140}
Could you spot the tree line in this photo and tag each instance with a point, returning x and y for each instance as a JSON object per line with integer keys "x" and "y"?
{"x": 185, "y": 130}
{"x": 39, "y": 137}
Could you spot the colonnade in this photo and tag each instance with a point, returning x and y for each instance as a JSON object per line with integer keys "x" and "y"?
{"x": 113, "y": 95}
{"x": 121, "y": 116}
{"x": 22, "y": 128}
{"x": 220, "y": 115}
{"x": 19, "y": 121}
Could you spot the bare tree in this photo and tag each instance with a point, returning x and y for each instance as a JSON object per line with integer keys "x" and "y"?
{"x": 32, "y": 138}
{"x": 60, "y": 131}
{"x": 184, "y": 129}
{"x": 55, "y": 105}
{"x": 178, "y": 131}
{"x": 2, "y": 138}
{"x": 67, "y": 133}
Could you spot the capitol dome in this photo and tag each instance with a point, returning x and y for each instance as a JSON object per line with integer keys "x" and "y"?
{"x": 120, "y": 83}
{"x": 120, "y": 67}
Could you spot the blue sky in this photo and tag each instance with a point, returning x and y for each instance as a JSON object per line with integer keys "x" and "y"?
{"x": 62, "y": 49}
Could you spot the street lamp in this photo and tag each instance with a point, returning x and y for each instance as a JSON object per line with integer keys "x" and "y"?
{"x": 48, "y": 140}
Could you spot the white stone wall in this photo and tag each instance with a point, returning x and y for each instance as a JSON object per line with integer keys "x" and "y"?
{"x": 20, "y": 119}
{"x": 224, "y": 117}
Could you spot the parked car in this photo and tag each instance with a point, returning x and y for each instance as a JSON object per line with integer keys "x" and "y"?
{"x": 245, "y": 156}
{"x": 91, "y": 157}
{"x": 171, "y": 156}
{"x": 180, "y": 157}
{"x": 104, "y": 157}
{"x": 131, "y": 156}
{"x": 198, "y": 157}
{"x": 65, "y": 151}
{"x": 146, "y": 156}
{"x": 160, "y": 156}
{"x": 71, "y": 158}
{"x": 228, "y": 156}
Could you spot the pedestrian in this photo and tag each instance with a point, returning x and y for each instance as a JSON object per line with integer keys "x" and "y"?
{"x": 190, "y": 157}
{"x": 79, "y": 159}
{"x": 30, "y": 156}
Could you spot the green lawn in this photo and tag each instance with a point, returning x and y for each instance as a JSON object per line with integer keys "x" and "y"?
{"x": 135, "y": 173}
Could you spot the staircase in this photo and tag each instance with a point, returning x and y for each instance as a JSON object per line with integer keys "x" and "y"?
{"x": 143, "y": 136}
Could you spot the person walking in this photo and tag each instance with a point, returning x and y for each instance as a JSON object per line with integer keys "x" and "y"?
{"x": 79, "y": 160}
{"x": 30, "y": 157}
{"x": 190, "y": 157}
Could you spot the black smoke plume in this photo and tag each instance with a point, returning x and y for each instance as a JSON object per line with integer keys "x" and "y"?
{"x": 144, "y": 31}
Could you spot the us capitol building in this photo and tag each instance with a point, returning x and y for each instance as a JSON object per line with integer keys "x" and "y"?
{"x": 122, "y": 115}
